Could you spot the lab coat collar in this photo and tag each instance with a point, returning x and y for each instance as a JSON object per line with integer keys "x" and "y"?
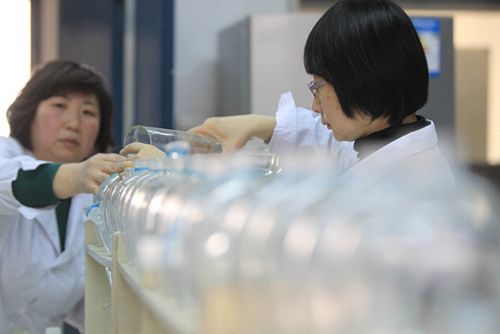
{"x": 369, "y": 144}
{"x": 398, "y": 150}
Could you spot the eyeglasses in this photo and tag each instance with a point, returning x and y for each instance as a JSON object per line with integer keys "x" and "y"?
{"x": 315, "y": 85}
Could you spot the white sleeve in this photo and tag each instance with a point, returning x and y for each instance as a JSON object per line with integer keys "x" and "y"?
{"x": 9, "y": 167}
{"x": 301, "y": 129}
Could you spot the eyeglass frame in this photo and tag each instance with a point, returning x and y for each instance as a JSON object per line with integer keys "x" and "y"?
{"x": 314, "y": 86}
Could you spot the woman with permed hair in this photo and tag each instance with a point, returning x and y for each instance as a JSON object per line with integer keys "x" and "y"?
{"x": 52, "y": 162}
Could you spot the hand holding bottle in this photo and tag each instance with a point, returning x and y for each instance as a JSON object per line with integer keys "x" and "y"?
{"x": 85, "y": 176}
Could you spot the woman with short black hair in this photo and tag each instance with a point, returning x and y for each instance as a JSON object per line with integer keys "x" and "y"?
{"x": 371, "y": 54}
{"x": 370, "y": 78}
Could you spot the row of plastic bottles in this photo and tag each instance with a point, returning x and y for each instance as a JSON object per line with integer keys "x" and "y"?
{"x": 245, "y": 247}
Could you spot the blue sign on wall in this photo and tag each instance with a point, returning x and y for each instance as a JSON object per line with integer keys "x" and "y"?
{"x": 429, "y": 31}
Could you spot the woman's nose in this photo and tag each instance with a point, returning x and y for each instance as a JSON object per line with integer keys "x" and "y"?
{"x": 316, "y": 105}
{"x": 73, "y": 119}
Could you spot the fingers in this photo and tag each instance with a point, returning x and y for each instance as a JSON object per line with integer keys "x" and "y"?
{"x": 231, "y": 147}
{"x": 126, "y": 164}
{"x": 96, "y": 180}
{"x": 106, "y": 163}
{"x": 96, "y": 169}
{"x": 197, "y": 129}
{"x": 218, "y": 128}
{"x": 141, "y": 151}
{"x": 109, "y": 156}
{"x": 231, "y": 131}
{"x": 204, "y": 131}
{"x": 92, "y": 187}
{"x": 132, "y": 148}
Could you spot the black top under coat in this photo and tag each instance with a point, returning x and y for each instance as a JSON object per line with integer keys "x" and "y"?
{"x": 371, "y": 143}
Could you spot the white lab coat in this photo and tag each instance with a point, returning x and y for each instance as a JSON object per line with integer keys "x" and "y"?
{"x": 417, "y": 152}
{"x": 39, "y": 285}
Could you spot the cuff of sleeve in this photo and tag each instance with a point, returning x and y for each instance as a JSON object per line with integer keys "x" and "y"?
{"x": 33, "y": 188}
{"x": 285, "y": 131}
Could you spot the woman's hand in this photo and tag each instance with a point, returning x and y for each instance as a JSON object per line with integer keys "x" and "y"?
{"x": 85, "y": 176}
{"x": 233, "y": 132}
{"x": 139, "y": 151}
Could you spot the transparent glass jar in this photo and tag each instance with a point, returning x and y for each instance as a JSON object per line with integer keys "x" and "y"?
{"x": 160, "y": 138}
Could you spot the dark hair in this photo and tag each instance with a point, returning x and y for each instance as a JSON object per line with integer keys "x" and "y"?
{"x": 370, "y": 52}
{"x": 54, "y": 78}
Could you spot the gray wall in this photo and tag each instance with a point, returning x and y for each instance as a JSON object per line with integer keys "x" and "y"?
{"x": 197, "y": 25}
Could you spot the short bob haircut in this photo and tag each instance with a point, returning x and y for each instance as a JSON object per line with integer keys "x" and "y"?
{"x": 56, "y": 78}
{"x": 370, "y": 52}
